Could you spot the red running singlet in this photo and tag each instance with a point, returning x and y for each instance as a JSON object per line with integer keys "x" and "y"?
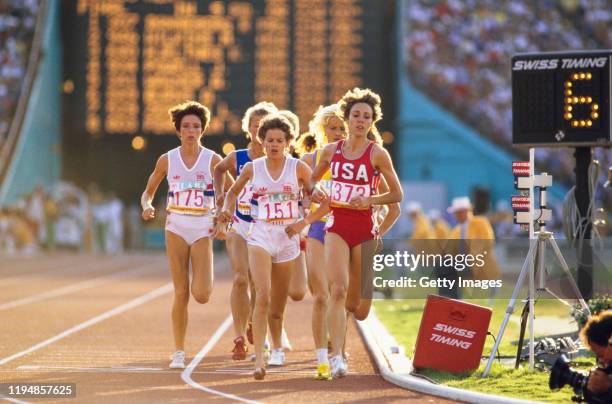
{"x": 350, "y": 178}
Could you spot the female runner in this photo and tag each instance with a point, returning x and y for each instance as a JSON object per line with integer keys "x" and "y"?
{"x": 189, "y": 222}
{"x": 327, "y": 127}
{"x": 239, "y": 227}
{"x": 355, "y": 164}
{"x": 276, "y": 181}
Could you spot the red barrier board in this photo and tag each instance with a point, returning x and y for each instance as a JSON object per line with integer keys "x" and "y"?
{"x": 452, "y": 335}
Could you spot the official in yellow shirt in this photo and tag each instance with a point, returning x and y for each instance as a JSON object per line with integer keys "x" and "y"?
{"x": 440, "y": 227}
{"x": 422, "y": 234}
{"x": 478, "y": 235}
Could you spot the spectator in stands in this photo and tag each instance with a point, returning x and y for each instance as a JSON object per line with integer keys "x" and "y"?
{"x": 17, "y": 22}
{"x": 458, "y": 52}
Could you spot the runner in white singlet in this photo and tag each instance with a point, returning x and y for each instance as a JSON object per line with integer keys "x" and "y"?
{"x": 276, "y": 181}
{"x": 190, "y": 212}
{"x": 236, "y": 240}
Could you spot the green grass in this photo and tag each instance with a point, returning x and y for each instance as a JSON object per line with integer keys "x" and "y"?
{"x": 403, "y": 317}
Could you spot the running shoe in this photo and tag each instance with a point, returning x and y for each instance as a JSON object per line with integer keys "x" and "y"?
{"x": 323, "y": 372}
{"x": 240, "y": 350}
{"x": 277, "y": 358}
{"x": 178, "y": 360}
{"x": 339, "y": 367}
{"x": 249, "y": 333}
{"x": 259, "y": 373}
{"x": 285, "y": 341}
{"x": 266, "y": 352}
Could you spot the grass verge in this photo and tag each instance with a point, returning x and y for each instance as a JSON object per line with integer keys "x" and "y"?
{"x": 403, "y": 317}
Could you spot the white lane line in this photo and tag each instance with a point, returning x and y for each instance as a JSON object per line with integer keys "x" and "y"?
{"x": 108, "y": 314}
{"x": 118, "y": 369}
{"x": 81, "y": 266}
{"x": 101, "y": 280}
{"x": 186, "y": 375}
{"x": 13, "y": 400}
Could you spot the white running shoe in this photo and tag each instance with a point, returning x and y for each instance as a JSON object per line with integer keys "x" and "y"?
{"x": 339, "y": 367}
{"x": 285, "y": 341}
{"x": 277, "y": 358}
{"x": 266, "y": 353}
{"x": 178, "y": 360}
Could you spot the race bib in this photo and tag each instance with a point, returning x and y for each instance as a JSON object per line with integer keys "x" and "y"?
{"x": 275, "y": 207}
{"x": 190, "y": 201}
{"x": 243, "y": 205}
{"x": 342, "y": 192}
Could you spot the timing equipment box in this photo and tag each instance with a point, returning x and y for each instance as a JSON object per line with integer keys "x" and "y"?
{"x": 452, "y": 335}
{"x": 561, "y": 99}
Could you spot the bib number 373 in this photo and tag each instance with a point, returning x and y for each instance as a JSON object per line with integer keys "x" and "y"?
{"x": 342, "y": 192}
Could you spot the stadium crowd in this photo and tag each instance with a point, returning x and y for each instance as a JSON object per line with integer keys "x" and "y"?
{"x": 17, "y": 22}
{"x": 458, "y": 52}
{"x": 65, "y": 217}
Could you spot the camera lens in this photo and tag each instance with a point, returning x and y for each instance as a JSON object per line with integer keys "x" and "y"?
{"x": 561, "y": 374}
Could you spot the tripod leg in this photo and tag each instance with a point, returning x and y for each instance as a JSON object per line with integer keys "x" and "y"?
{"x": 519, "y": 350}
{"x": 526, "y": 268}
{"x": 565, "y": 267}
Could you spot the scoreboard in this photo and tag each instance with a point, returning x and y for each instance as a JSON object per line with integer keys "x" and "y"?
{"x": 562, "y": 99}
{"x": 126, "y": 62}
{"x": 132, "y": 60}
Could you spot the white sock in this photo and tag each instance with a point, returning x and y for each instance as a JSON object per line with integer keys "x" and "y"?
{"x": 321, "y": 356}
{"x": 277, "y": 349}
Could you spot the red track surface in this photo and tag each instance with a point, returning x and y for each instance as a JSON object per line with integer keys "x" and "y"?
{"x": 123, "y": 357}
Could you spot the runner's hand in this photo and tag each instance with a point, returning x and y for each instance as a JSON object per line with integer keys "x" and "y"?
{"x": 219, "y": 232}
{"x": 318, "y": 195}
{"x": 224, "y": 217}
{"x": 219, "y": 200}
{"x": 148, "y": 213}
{"x": 295, "y": 228}
{"x": 360, "y": 202}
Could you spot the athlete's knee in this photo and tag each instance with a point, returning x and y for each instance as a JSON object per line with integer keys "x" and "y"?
{"x": 297, "y": 295}
{"x": 262, "y": 300}
{"x": 338, "y": 292}
{"x": 241, "y": 281}
{"x": 351, "y": 307}
{"x": 181, "y": 296}
{"x": 275, "y": 315}
{"x": 361, "y": 314}
{"x": 201, "y": 296}
{"x": 321, "y": 298}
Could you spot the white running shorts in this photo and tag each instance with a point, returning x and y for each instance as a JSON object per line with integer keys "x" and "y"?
{"x": 240, "y": 227}
{"x": 273, "y": 239}
{"x": 189, "y": 228}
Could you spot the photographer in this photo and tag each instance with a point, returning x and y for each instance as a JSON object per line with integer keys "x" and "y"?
{"x": 597, "y": 335}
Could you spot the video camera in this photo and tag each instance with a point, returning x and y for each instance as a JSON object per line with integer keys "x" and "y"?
{"x": 561, "y": 374}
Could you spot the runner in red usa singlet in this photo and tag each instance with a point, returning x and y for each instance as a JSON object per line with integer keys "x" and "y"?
{"x": 352, "y": 178}
{"x": 355, "y": 164}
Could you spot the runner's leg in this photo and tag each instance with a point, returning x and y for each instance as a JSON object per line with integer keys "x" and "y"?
{"x": 177, "y": 251}
{"x": 202, "y": 269}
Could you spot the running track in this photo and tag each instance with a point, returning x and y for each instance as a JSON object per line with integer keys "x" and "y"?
{"x": 104, "y": 323}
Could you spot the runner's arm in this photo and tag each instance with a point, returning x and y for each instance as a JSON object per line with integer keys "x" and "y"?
{"x": 393, "y": 212}
{"x": 220, "y": 180}
{"x": 323, "y": 164}
{"x": 382, "y": 162}
{"x": 156, "y": 177}
{"x": 232, "y": 194}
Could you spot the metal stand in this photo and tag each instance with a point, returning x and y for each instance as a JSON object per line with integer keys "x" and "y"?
{"x": 532, "y": 264}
